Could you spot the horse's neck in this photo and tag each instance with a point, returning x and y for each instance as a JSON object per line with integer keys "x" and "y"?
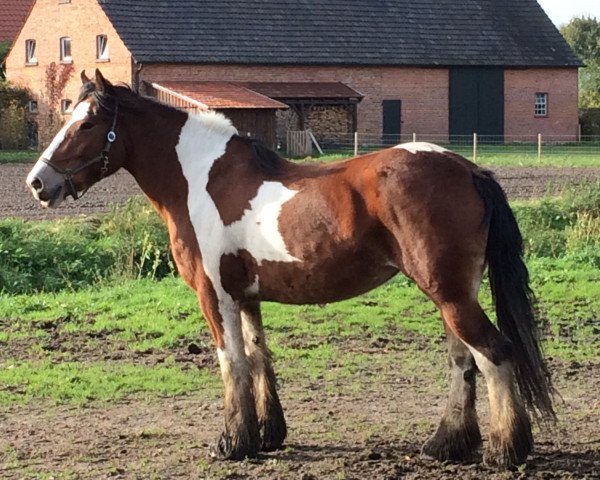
{"x": 171, "y": 162}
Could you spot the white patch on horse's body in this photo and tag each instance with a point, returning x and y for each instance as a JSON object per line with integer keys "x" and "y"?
{"x": 202, "y": 141}
{"x": 414, "y": 147}
{"x": 38, "y": 171}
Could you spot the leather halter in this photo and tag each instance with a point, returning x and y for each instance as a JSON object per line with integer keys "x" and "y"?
{"x": 68, "y": 173}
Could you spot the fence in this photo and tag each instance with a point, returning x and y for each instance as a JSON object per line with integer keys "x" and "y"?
{"x": 470, "y": 146}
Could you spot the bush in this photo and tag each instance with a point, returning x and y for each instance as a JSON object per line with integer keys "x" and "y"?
{"x": 13, "y": 128}
{"x": 13, "y": 121}
{"x": 128, "y": 242}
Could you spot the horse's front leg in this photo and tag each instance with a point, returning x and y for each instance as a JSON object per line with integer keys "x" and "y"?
{"x": 268, "y": 408}
{"x": 241, "y": 437}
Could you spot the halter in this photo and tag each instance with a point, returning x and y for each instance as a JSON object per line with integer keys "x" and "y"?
{"x": 68, "y": 173}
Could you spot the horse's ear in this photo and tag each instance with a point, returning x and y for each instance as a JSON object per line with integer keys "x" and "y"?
{"x": 84, "y": 78}
{"x": 102, "y": 83}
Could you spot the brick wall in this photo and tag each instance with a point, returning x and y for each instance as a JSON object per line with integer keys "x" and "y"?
{"x": 423, "y": 91}
{"x": 81, "y": 20}
{"x": 520, "y": 87}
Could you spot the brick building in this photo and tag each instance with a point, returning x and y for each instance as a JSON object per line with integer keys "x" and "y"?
{"x": 382, "y": 68}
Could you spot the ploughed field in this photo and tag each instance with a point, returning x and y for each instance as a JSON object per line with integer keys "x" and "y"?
{"x": 518, "y": 182}
{"x": 120, "y": 380}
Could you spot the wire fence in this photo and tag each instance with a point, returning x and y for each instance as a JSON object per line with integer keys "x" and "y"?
{"x": 474, "y": 147}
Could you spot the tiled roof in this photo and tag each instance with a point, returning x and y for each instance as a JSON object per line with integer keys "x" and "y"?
{"x": 341, "y": 32}
{"x": 13, "y": 14}
{"x": 281, "y": 90}
{"x": 221, "y": 95}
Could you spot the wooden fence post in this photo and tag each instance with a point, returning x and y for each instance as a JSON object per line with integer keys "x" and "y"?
{"x": 414, "y": 137}
{"x": 355, "y": 144}
{"x": 474, "y": 147}
{"x": 539, "y": 147}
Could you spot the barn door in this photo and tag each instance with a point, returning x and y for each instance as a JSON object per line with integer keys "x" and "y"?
{"x": 392, "y": 121}
{"x": 477, "y": 102}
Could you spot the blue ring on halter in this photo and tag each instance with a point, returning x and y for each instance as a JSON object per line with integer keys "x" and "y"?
{"x": 111, "y": 136}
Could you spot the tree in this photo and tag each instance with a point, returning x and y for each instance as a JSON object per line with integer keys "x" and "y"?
{"x": 55, "y": 81}
{"x": 583, "y": 35}
{"x": 4, "y": 48}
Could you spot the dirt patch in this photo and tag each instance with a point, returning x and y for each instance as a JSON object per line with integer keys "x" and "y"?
{"x": 372, "y": 428}
{"x": 50, "y": 339}
{"x": 18, "y": 202}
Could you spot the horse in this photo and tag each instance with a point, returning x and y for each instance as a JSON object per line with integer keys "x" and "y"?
{"x": 246, "y": 226}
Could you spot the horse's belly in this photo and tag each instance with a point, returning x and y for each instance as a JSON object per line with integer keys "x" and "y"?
{"x": 329, "y": 280}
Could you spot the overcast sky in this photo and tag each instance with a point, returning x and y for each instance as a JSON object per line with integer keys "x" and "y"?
{"x": 561, "y": 11}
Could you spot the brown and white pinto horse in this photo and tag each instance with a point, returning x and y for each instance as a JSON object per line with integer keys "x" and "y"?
{"x": 246, "y": 225}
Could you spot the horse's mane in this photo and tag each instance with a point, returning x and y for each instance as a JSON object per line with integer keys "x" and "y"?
{"x": 267, "y": 161}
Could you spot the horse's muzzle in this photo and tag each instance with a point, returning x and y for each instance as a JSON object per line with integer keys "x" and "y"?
{"x": 46, "y": 185}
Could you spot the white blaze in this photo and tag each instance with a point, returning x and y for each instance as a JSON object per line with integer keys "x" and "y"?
{"x": 81, "y": 111}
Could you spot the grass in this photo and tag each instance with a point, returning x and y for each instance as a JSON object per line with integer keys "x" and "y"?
{"x": 18, "y": 156}
{"x": 308, "y": 342}
{"x": 511, "y": 155}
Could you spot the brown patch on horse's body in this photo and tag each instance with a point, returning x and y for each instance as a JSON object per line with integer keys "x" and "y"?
{"x": 234, "y": 171}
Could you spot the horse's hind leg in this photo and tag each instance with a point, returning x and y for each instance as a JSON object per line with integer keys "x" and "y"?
{"x": 271, "y": 421}
{"x": 510, "y": 439}
{"x": 458, "y": 435}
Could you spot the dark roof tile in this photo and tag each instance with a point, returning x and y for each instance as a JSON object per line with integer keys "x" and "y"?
{"x": 358, "y": 32}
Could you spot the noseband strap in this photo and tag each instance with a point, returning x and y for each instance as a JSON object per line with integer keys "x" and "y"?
{"x": 68, "y": 173}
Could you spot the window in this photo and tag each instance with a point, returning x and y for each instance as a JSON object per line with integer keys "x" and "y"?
{"x": 32, "y": 106}
{"x": 102, "y": 48}
{"x": 30, "y": 57}
{"x": 541, "y": 105}
{"x": 65, "y": 106}
{"x": 65, "y": 50}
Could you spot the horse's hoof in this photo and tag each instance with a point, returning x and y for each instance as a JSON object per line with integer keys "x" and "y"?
{"x": 509, "y": 450}
{"x": 506, "y": 457}
{"x": 229, "y": 447}
{"x": 273, "y": 429}
{"x": 451, "y": 444}
{"x": 273, "y": 435}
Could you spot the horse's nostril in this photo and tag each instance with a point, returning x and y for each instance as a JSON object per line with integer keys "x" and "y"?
{"x": 36, "y": 184}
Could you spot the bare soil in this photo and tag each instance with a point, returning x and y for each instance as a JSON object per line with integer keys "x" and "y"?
{"x": 370, "y": 429}
{"x": 16, "y": 201}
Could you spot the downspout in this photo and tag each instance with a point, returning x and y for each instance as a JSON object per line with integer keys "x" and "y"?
{"x": 135, "y": 81}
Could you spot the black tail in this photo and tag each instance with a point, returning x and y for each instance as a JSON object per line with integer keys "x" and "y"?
{"x": 509, "y": 280}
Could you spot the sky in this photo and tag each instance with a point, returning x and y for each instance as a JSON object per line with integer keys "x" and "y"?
{"x": 561, "y": 11}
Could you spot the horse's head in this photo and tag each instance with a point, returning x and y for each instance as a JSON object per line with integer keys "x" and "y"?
{"x": 88, "y": 147}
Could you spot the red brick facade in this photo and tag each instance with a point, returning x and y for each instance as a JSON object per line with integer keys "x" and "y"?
{"x": 424, "y": 92}
{"x": 82, "y": 21}
{"x": 520, "y": 87}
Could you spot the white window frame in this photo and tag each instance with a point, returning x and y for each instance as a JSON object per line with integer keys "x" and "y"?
{"x": 102, "y": 54}
{"x": 32, "y": 106}
{"x": 65, "y": 50}
{"x": 66, "y": 105}
{"x": 540, "y": 108}
{"x": 30, "y": 56}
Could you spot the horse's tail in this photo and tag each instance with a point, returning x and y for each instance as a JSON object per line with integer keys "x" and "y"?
{"x": 509, "y": 281}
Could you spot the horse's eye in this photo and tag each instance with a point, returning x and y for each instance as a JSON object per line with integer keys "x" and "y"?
{"x": 86, "y": 126}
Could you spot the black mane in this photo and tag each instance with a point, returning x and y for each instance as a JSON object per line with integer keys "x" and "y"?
{"x": 267, "y": 161}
